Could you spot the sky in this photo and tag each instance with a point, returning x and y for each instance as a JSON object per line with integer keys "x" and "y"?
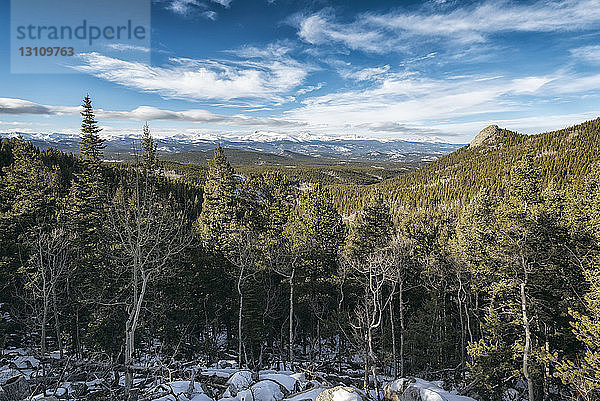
{"x": 416, "y": 70}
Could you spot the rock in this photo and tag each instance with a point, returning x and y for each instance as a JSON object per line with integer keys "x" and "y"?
{"x": 488, "y": 135}
{"x": 340, "y": 393}
{"x": 415, "y": 389}
{"x": 411, "y": 394}
{"x": 239, "y": 381}
{"x": 15, "y": 388}
{"x": 265, "y": 390}
{"x": 79, "y": 389}
{"x": 393, "y": 390}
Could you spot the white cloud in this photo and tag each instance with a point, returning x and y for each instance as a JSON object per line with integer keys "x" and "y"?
{"x": 398, "y": 100}
{"x": 310, "y": 88}
{"x": 191, "y": 79}
{"x": 145, "y": 113}
{"x": 182, "y": 7}
{"x": 588, "y": 53}
{"x": 127, "y": 48}
{"x": 20, "y": 106}
{"x": 366, "y": 74}
{"x": 379, "y": 33}
{"x": 224, "y": 3}
{"x": 211, "y": 15}
{"x": 321, "y": 29}
{"x": 188, "y": 8}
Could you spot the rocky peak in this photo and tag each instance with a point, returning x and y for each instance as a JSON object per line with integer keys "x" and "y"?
{"x": 489, "y": 135}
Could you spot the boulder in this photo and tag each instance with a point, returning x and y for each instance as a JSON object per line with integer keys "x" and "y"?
{"x": 411, "y": 394}
{"x": 239, "y": 381}
{"x": 264, "y": 390}
{"x": 340, "y": 393}
{"x": 394, "y": 390}
{"x": 15, "y": 388}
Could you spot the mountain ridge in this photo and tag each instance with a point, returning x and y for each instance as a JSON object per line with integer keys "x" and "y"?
{"x": 367, "y": 149}
{"x": 563, "y": 157}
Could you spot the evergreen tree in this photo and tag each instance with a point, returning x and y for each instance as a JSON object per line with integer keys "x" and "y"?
{"x": 371, "y": 229}
{"x": 91, "y": 144}
{"x": 85, "y": 214}
{"x": 220, "y": 213}
{"x": 150, "y": 159}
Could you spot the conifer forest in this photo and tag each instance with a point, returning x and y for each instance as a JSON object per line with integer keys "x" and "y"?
{"x": 300, "y": 200}
{"x": 484, "y": 274}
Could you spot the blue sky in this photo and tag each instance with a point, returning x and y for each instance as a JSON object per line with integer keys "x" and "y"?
{"x": 411, "y": 70}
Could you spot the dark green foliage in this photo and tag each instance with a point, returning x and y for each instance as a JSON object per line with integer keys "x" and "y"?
{"x": 91, "y": 144}
{"x": 463, "y": 237}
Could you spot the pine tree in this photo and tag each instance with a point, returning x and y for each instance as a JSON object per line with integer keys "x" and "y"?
{"x": 220, "y": 215}
{"x": 150, "y": 159}
{"x": 85, "y": 214}
{"x": 371, "y": 229}
{"x": 91, "y": 144}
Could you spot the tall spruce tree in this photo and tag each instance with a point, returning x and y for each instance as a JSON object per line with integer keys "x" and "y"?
{"x": 91, "y": 144}
{"x": 149, "y": 157}
{"x": 220, "y": 213}
{"x": 85, "y": 214}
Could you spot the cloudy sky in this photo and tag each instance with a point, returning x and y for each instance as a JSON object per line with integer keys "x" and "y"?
{"x": 387, "y": 69}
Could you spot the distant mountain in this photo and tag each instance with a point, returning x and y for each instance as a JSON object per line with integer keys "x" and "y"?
{"x": 305, "y": 148}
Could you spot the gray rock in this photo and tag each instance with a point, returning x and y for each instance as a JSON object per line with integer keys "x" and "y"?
{"x": 487, "y": 136}
{"x": 393, "y": 390}
{"x": 411, "y": 394}
{"x": 15, "y": 388}
{"x": 327, "y": 395}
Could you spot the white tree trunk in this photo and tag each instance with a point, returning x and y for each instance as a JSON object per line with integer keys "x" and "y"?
{"x": 240, "y": 310}
{"x": 291, "y": 332}
{"x": 527, "y": 347}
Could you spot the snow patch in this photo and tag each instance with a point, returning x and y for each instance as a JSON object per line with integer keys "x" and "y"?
{"x": 345, "y": 395}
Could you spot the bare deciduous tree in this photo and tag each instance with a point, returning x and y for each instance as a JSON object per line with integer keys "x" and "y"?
{"x": 242, "y": 253}
{"x": 50, "y": 262}
{"x": 149, "y": 231}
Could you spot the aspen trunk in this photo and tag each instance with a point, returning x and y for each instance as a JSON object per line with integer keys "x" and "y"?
{"x": 401, "y": 295}
{"x": 394, "y": 359}
{"x": 241, "y": 308}
{"x": 291, "y": 332}
{"x": 56, "y": 324}
{"x": 527, "y": 347}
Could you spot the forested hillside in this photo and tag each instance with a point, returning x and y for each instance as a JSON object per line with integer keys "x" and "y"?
{"x": 564, "y": 157}
{"x": 480, "y": 269}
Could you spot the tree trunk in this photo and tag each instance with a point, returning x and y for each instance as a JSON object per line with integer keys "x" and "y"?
{"x": 462, "y": 330}
{"x": 401, "y": 295}
{"x": 44, "y": 321}
{"x": 373, "y": 362}
{"x": 394, "y": 360}
{"x": 366, "y": 366}
{"x": 241, "y": 308}
{"x": 56, "y": 324}
{"x": 527, "y": 347}
{"x": 291, "y": 333}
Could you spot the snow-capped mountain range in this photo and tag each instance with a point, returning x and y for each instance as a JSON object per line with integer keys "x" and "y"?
{"x": 265, "y": 142}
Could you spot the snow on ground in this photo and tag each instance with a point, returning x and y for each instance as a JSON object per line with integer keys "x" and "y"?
{"x": 219, "y": 372}
{"x": 286, "y": 380}
{"x": 238, "y": 381}
{"x": 307, "y": 395}
{"x": 265, "y": 390}
{"x": 25, "y": 362}
{"x": 179, "y": 391}
{"x": 345, "y": 395}
{"x": 272, "y": 385}
{"x": 429, "y": 391}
